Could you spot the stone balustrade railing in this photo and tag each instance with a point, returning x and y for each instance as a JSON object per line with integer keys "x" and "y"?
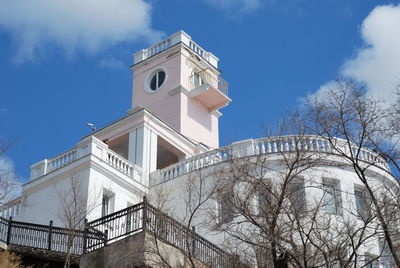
{"x": 61, "y": 160}
{"x": 270, "y": 145}
{"x": 90, "y": 146}
{"x": 179, "y": 37}
{"x": 121, "y": 164}
{"x": 11, "y": 209}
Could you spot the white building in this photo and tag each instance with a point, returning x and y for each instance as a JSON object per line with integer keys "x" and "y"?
{"x": 169, "y": 137}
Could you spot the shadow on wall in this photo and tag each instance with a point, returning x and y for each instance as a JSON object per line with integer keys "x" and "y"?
{"x": 200, "y": 114}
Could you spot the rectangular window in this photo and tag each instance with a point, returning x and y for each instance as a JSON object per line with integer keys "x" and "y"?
{"x": 297, "y": 195}
{"x": 332, "y": 196}
{"x": 265, "y": 197}
{"x": 362, "y": 207}
{"x": 370, "y": 261}
{"x": 226, "y": 207}
{"x": 105, "y": 206}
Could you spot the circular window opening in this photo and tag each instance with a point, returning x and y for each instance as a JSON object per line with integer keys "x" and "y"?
{"x": 157, "y": 80}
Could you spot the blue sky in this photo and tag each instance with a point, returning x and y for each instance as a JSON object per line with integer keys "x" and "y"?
{"x": 66, "y": 63}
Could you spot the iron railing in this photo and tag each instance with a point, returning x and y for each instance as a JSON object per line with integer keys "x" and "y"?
{"x": 48, "y": 237}
{"x": 113, "y": 227}
{"x": 187, "y": 240}
{"x": 145, "y": 217}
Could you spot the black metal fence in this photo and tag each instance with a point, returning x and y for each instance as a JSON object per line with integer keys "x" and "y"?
{"x": 118, "y": 225}
{"x": 145, "y": 217}
{"x": 48, "y": 237}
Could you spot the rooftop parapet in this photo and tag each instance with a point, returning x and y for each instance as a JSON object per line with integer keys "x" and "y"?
{"x": 89, "y": 146}
{"x": 264, "y": 146}
{"x": 179, "y": 37}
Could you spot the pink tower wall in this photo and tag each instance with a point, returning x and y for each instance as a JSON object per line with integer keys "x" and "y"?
{"x": 185, "y": 115}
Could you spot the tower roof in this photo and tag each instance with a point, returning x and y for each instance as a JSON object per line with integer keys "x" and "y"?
{"x": 176, "y": 38}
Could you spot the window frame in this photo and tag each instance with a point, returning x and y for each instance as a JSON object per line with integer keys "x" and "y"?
{"x": 362, "y": 208}
{"x": 264, "y": 200}
{"x": 334, "y": 185}
{"x": 370, "y": 261}
{"x": 105, "y": 205}
{"x": 225, "y": 214}
{"x": 295, "y": 198}
{"x": 196, "y": 76}
{"x": 149, "y": 78}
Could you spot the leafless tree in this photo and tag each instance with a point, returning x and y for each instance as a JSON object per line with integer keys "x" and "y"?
{"x": 263, "y": 212}
{"x": 75, "y": 205}
{"x": 198, "y": 190}
{"x": 361, "y": 122}
{"x": 257, "y": 202}
{"x": 269, "y": 212}
{"x": 9, "y": 184}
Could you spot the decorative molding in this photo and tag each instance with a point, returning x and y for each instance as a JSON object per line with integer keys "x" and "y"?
{"x": 179, "y": 89}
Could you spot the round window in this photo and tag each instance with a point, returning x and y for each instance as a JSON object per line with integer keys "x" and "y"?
{"x": 157, "y": 80}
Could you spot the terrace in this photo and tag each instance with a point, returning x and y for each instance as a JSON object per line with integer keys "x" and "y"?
{"x": 265, "y": 146}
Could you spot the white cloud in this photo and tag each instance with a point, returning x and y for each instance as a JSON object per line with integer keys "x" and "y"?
{"x": 322, "y": 93}
{"x": 232, "y": 6}
{"x": 74, "y": 25}
{"x": 377, "y": 62}
{"x": 112, "y": 63}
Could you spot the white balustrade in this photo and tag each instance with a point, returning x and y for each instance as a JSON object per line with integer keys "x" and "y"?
{"x": 163, "y": 45}
{"x": 285, "y": 144}
{"x": 11, "y": 209}
{"x": 95, "y": 147}
{"x": 179, "y": 37}
{"x": 119, "y": 163}
{"x": 196, "y": 48}
{"x": 62, "y": 160}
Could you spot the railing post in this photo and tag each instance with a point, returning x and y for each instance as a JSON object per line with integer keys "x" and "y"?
{"x": 9, "y": 231}
{"x": 144, "y": 223}
{"x": 49, "y": 235}
{"x": 105, "y": 237}
{"x": 85, "y": 236}
{"x": 193, "y": 240}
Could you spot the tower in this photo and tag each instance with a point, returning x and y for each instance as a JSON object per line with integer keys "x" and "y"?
{"x": 180, "y": 83}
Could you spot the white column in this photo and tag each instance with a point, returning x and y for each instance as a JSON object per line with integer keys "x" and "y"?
{"x": 143, "y": 151}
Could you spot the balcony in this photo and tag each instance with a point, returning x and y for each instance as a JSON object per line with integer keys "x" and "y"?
{"x": 209, "y": 89}
{"x": 93, "y": 147}
{"x": 265, "y": 146}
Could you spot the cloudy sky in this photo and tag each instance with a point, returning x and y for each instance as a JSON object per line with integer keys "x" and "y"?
{"x": 65, "y": 63}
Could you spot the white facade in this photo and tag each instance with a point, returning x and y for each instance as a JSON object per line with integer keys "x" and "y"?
{"x": 169, "y": 137}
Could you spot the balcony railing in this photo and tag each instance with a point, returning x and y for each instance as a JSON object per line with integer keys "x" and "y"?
{"x": 145, "y": 217}
{"x": 98, "y": 233}
{"x": 270, "y": 145}
{"x": 197, "y": 79}
{"x": 49, "y": 237}
{"x": 92, "y": 146}
{"x": 179, "y": 37}
{"x": 11, "y": 208}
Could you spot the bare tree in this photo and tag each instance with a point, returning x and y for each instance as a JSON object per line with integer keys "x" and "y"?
{"x": 263, "y": 213}
{"x": 361, "y": 122}
{"x": 267, "y": 200}
{"x": 268, "y": 211}
{"x": 75, "y": 204}
{"x": 198, "y": 190}
{"x": 9, "y": 186}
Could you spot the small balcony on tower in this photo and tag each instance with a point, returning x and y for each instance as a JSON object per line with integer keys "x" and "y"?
{"x": 209, "y": 89}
